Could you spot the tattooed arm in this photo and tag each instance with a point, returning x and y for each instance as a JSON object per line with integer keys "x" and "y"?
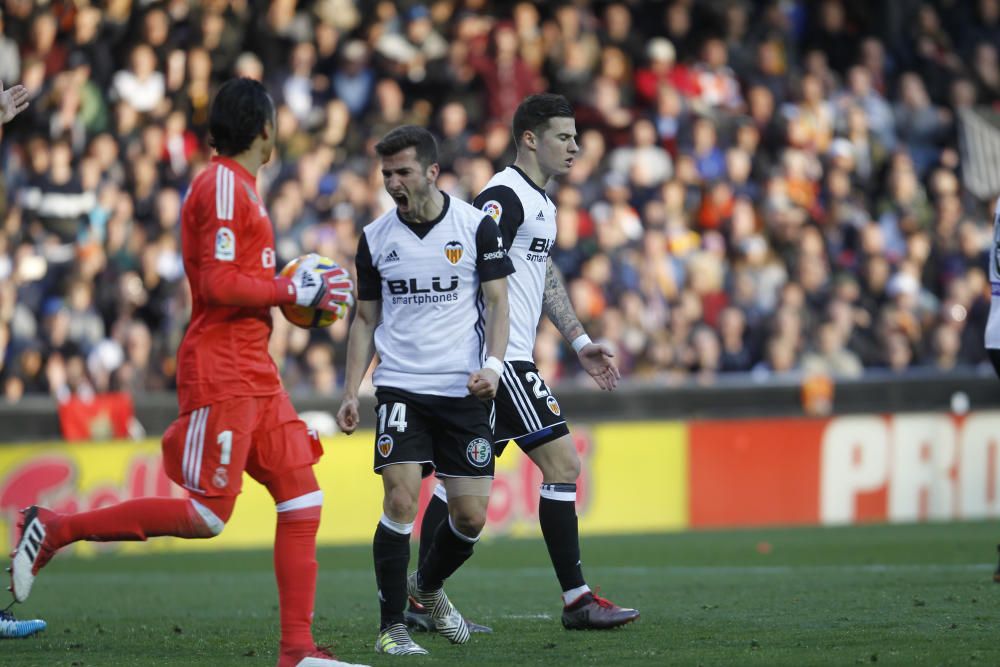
{"x": 595, "y": 358}
{"x": 557, "y": 305}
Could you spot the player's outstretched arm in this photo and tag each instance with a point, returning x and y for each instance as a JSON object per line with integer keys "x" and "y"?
{"x": 483, "y": 383}
{"x": 360, "y": 350}
{"x": 13, "y": 101}
{"x": 596, "y": 358}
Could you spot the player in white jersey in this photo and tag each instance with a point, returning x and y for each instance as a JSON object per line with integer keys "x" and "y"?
{"x": 432, "y": 297}
{"x": 993, "y": 321}
{"x": 526, "y": 410}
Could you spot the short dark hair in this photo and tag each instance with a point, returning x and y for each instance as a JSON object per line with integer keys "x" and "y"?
{"x": 240, "y": 110}
{"x": 404, "y": 137}
{"x": 536, "y": 110}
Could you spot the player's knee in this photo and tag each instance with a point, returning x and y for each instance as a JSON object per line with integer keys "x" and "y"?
{"x": 400, "y": 505}
{"x": 211, "y": 515}
{"x": 292, "y": 484}
{"x": 469, "y": 521}
{"x": 307, "y": 507}
{"x": 563, "y": 468}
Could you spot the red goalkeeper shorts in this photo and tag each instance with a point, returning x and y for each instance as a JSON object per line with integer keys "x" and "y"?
{"x": 207, "y": 450}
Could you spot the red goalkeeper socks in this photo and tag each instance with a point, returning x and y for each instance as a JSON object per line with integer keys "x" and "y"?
{"x": 295, "y": 569}
{"x": 132, "y": 520}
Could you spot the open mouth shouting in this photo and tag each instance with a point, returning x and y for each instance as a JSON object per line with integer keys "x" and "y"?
{"x": 401, "y": 199}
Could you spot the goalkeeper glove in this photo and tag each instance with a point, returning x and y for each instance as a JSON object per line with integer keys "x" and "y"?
{"x": 330, "y": 290}
{"x": 307, "y": 282}
{"x": 338, "y": 291}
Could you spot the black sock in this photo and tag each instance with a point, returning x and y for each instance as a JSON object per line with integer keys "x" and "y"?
{"x": 435, "y": 515}
{"x": 447, "y": 553}
{"x": 557, "y": 516}
{"x": 392, "y": 554}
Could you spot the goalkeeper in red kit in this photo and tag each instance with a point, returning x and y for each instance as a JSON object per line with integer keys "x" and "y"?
{"x": 234, "y": 413}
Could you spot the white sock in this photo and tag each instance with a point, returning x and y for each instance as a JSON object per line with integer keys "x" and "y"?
{"x": 574, "y": 594}
{"x": 395, "y": 526}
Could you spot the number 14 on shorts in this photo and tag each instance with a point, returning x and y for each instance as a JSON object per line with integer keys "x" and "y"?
{"x": 397, "y": 417}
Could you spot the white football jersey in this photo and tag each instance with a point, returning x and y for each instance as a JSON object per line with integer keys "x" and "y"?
{"x": 432, "y": 332}
{"x": 527, "y": 219}
{"x": 993, "y": 322}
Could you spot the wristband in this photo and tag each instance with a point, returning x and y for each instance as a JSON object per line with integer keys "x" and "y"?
{"x": 494, "y": 365}
{"x": 581, "y": 342}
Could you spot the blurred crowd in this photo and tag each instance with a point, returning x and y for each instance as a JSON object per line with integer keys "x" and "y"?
{"x": 770, "y": 188}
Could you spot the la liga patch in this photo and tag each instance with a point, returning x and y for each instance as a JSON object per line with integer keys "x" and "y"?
{"x": 493, "y": 209}
{"x": 225, "y": 244}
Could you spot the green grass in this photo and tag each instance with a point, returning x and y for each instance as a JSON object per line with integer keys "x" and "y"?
{"x": 904, "y": 595}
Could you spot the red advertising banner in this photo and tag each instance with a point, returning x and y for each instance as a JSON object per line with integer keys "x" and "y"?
{"x": 758, "y": 472}
{"x": 853, "y": 469}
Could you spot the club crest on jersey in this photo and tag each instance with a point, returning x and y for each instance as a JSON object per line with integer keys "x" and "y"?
{"x": 479, "y": 452}
{"x": 384, "y": 445}
{"x": 225, "y": 244}
{"x": 453, "y": 251}
{"x": 221, "y": 478}
{"x": 553, "y": 405}
{"x": 267, "y": 258}
{"x": 493, "y": 209}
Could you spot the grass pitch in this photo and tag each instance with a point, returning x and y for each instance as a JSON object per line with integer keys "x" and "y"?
{"x": 897, "y": 595}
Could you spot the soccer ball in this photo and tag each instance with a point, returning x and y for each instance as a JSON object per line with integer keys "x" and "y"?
{"x": 304, "y": 316}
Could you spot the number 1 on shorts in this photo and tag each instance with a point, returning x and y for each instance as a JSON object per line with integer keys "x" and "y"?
{"x": 225, "y": 441}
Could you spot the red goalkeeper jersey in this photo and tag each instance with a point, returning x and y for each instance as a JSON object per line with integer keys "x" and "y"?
{"x": 228, "y": 248}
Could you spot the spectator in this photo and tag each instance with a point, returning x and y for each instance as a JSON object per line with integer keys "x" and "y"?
{"x": 718, "y": 88}
{"x": 830, "y": 356}
{"x": 506, "y": 76}
{"x": 861, "y": 93}
{"x": 736, "y": 355}
{"x": 663, "y": 70}
{"x": 354, "y": 81}
{"x": 56, "y": 200}
{"x": 140, "y": 86}
{"x": 10, "y": 56}
{"x": 919, "y": 125}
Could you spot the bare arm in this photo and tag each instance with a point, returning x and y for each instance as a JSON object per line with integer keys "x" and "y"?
{"x": 360, "y": 350}
{"x": 497, "y": 317}
{"x": 594, "y": 357}
{"x": 483, "y": 383}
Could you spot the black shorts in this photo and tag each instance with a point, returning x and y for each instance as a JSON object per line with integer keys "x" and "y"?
{"x": 527, "y": 412}
{"x": 452, "y": 437}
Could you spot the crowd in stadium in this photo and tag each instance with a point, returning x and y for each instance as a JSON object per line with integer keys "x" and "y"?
{"x": 767, "y": 187}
